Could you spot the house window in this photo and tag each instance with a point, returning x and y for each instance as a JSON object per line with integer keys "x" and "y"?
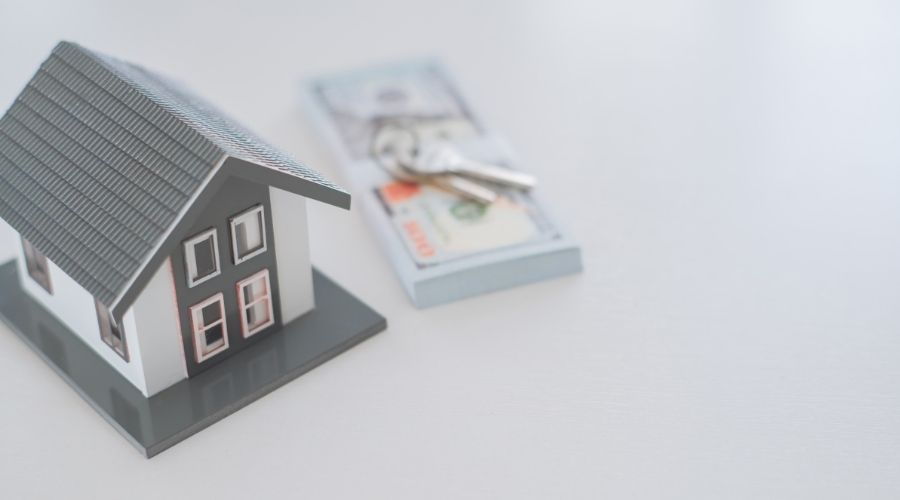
{"x": 210, "y": 330}
{"x": 255, "y": 298}
{"x": 37, "y": 266}
{"x": 110, "y": 331}
{"x": 201, "y": 257}
{"x": 248, "y": 234}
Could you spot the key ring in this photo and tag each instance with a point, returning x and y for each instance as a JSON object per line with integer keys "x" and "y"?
{"x": 394, "y": 145}
{"x": 387, "y": 147}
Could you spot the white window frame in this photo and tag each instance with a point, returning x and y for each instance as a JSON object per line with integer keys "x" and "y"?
{"x": 250, "y": 213}
{"x": 190, "y": 257}
{"x": 107, "y": 324}
{"x": 243, "y": 305}
{"x": 199, "y": 328}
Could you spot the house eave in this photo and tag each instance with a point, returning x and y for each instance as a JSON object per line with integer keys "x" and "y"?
{"x": 255, "y": 172}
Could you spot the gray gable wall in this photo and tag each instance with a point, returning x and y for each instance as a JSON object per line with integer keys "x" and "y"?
{"x": 100, "y": 160}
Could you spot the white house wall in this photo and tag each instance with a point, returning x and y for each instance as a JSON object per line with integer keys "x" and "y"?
{"x": 9, "y": 239}
{"x": 152, "y": 332}
{"x": 74, "y": 306}
{"x": 156, "y": 320}
{"x": 292, "y": 251}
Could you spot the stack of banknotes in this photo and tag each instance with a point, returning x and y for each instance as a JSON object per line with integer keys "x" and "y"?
{"x": 443, "y": 247}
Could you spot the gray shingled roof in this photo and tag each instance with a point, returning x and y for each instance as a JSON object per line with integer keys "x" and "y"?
{"x": 99, "y": 159}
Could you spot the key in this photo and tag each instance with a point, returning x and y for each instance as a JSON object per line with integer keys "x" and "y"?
{"x": 464, "y": 187}
{"x": 443, "y": 158}
{"x": 391, "y": 143}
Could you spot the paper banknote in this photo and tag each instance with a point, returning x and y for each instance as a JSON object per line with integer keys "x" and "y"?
{"x": 437, "y": 226}
{"x": 438, "y": 233}
{"x": 358, "y": 104}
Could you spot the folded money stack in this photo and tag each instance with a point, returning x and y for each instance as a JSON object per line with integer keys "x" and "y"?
{"x": 443, "y": 246}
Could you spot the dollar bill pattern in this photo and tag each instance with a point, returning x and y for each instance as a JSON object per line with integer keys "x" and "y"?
{"x": 436, "y": 227}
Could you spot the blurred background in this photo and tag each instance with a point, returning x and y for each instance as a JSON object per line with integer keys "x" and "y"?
{"x": 730, "y": 168}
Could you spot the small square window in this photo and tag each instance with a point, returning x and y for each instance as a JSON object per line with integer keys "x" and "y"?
{"x": 37, "y": 266}
{"x": 110, "y": 331}
{"x": 248, "y": 234}
{"x": 210, "y": 329}
{"x": 201, "y": 257}
{"x": 254, "y": 295}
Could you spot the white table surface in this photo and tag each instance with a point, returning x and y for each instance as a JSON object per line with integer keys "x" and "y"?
{"x": 731, "y": 169}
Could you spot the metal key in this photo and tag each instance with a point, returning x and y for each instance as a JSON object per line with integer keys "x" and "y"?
{"x": 464, "y": 187}
{"x": 392, "y": 143}
{"x": 438, "y": 158}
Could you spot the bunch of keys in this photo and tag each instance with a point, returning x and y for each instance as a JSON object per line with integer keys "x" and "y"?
{"x": 400, "y": 152}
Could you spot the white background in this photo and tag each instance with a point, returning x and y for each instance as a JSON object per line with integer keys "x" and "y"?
{"x": 731, "y": 169}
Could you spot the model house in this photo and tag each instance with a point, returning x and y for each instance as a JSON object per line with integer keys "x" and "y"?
{"x": 162, "y": 234}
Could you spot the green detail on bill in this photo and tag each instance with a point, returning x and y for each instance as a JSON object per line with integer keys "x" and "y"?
{"x": 468, "y": 211}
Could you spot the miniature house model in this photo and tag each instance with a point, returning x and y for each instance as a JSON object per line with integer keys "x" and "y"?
{"x": 161, "y": 233}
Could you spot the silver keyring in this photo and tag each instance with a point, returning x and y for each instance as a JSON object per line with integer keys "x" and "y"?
{"x": 388, "y": 149}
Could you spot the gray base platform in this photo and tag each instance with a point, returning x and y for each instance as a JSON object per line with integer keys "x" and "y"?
{"x": 338, "y": 322}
